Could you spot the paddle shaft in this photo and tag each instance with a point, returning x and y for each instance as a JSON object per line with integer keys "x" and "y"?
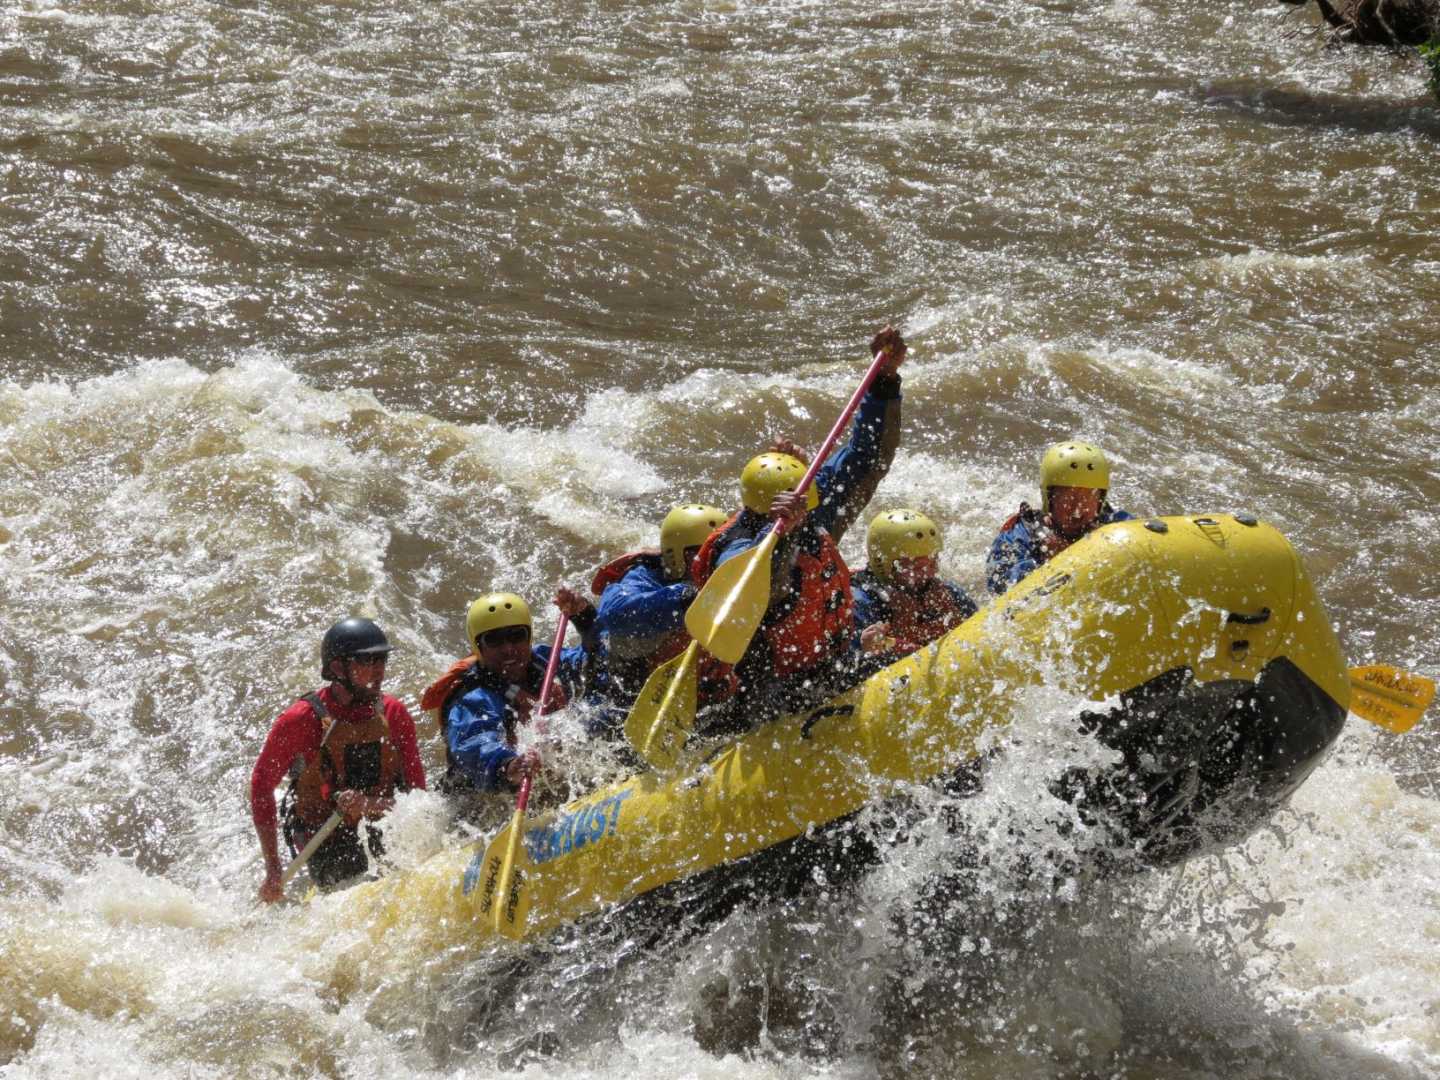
{"x": 323, "y": 834}
{"x": 551, "y": 665}
{"x": 522, "y": 801}
{"x": 506, "y": 874}
{"x": 553, "y": 662}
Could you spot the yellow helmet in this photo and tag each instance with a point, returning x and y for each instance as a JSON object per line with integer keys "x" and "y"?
{"x": 1072, "y": 464}
{"x": 898, "y": 534}
{"x": 495, "y": 611}
{"x": 767, "y": 476}
{"x": 685, "y": 527}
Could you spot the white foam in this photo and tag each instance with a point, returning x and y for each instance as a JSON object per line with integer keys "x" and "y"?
{"x": 1363, "y": 865}
{"x": 1335, "y": 269}
{"x": 117, "y": 892}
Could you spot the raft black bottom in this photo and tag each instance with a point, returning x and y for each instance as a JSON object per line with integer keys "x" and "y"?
{"x": 1204, "y": 764}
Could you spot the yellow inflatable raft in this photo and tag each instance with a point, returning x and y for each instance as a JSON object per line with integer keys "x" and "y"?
{"x": 1202, "y": 637}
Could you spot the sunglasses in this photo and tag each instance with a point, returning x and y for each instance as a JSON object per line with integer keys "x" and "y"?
{"x": 368, "y": 659}
{"x": 506, "y": 635}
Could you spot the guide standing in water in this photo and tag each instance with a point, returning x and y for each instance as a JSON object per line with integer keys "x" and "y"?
{"x": 348, "y": 749}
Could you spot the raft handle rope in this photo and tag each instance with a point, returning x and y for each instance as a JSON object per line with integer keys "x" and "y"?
{"x": 820, "y": 714}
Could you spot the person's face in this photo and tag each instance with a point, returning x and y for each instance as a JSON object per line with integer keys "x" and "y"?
{"x": 912, "y": 571}
{"x": 364, "y": 674}
{"x": 1074, "y": 508}
{"x": 506, "y": 652}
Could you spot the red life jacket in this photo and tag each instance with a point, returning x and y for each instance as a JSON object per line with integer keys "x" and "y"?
{"x": 1014, "y": 519}
{"x": 618, "y": 567}
{"x": 818, "y": 622}
{"x": 917, "y": 620}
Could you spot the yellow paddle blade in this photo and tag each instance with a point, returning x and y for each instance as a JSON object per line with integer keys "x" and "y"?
{"x": 663, "y": 714}
{"x": 725, "y": 614}
{"x": 1389, "y": 697}
{"x": 505, "y": 870}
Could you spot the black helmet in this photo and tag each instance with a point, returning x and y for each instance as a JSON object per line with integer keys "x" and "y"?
{"x": 350, "y": 638}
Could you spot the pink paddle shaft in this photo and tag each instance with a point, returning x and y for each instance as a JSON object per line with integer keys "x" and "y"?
{"x": 523, "y": 799}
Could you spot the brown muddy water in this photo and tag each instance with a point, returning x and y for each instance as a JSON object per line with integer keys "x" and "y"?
{"x": 309, "y": 309}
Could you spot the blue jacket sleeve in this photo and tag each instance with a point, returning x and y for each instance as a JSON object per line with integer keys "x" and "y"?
{"x": 865, "y": 613}
{"x": 475, "y": 733}
{"x": 1012, "y": 556}
{"x": 640, "y": 605}
{"x": 865, "y": 610}
{"x": 852, "y": 461}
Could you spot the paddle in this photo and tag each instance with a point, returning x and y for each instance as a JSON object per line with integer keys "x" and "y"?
{"x": 660, "y": 720}
{"x": 1388, "y": 697}
{"x": 721, "y": 619}
{"x": 309, "y": 849}
{"x": 505, "y": 899}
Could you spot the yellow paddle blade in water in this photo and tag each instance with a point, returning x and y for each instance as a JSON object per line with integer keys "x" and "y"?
{"x": 1389, "y": 697}
{"x": 663, "y": 714}
{"x": 725, "y": 614}
{"x": 505, "y": 871}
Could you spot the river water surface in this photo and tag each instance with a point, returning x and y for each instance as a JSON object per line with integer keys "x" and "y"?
{"x": 359, "y": 307}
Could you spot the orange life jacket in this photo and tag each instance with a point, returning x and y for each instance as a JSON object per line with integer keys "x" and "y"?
{"x": 818, "y": 621}
{"x": 915, "y": 619}
{"x": 437, "y": 694}
{"x": 353, "y": 755}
